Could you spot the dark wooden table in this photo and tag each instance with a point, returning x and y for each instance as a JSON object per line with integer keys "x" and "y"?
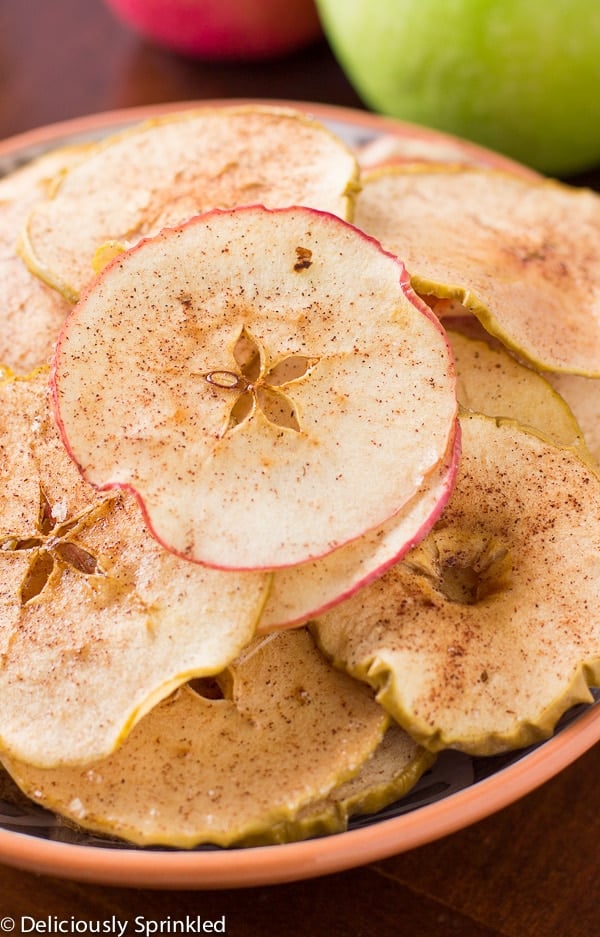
{"x": 531, "y": 870}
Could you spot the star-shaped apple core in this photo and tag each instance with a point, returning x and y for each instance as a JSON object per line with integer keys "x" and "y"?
{"x": 51, "y": 548}
{"x": 257, "y": 386}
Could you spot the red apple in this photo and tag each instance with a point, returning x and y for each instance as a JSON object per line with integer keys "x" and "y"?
{"x": 223, "y": 29}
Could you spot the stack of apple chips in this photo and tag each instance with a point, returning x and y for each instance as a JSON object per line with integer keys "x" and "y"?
{"x": 280, "y": 519}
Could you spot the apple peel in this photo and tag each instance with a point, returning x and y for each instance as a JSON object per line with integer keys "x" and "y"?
{"x": 97, "y": 622}
{"x": 214, "y": 369}
{"x": 486, "y": 633}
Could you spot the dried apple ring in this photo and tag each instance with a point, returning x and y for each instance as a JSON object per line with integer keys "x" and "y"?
{"x": 521, "y": 254}
{"x": 308, "y": 589}
{"x": 491, "y": 381}
{"x": 31, "y": 313}
{"x": 487, "y": 632}
{"x": 163, "y": 171}
{"x": 97, "y": 622}
{"x": 287, "y": 730}
{"x": 389, "y": 774}
{"x": 265, "y": 381}
{"x": 582, "y": 394}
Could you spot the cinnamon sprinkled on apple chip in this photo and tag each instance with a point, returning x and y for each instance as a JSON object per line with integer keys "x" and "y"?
{"x": 248, "y": 404}
{"x": 97, "y": 621}
{"x": 488, "y": 631}
{"x": 166, "y": 170}
{"x": 287, "y": 729}
{"x": 521, "y": 254}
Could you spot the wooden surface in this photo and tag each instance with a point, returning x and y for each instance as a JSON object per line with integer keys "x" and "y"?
{"x": 532, "y": 870}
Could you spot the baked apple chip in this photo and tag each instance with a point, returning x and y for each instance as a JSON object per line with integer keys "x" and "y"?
{"x": 489, "y": 630}
{"x": 308, "y": 589}
{"x": 166, "y": 170}
{"x": 390, "y": 773}
{"x": 582, "y": 394}
{"x": 488, "y": 380}
{"x": 265, "y": 381}
{"x": 521, "y": 254}
{"x": 34, "y": 180}
{"x": 491, "y": 381}
{"x": 31, "y": 313}
{"x": 285, "y": 729}
{"x": 97, "y": 622}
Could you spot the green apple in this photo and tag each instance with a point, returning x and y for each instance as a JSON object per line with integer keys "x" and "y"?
{"x": 519, "y": 77}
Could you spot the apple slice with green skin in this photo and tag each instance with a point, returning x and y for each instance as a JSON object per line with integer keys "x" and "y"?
{"x": 248, "y": 375}
{"x": 166, "y": 170}
{"x": 308, "y": 589}
{"x": 582, "y": 394}
{"x": 288, "y": 729}
{"x": 487, "y": 632}
{"x": 521, "y": 255}
{"x": 389, "y": 774}
{"x": 97, "y": 622}
{"x": 491, "y": 381}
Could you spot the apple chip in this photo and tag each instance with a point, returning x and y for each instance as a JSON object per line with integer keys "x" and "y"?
{"x": 287, "y": 729}
{"x": 583, "y": 397}
{"x": 251, "y": 375}
{"x": 97, "y": 621}
{"x": 308, "y": 589}
{"x": 522, "y": 255}
{"x": 395, "y": 149}
{"x": 32, "y": 180}
{"x": 388, "y": 775}
{"x": 491, "y": 381}
{"x": 392, "y": 149}
{"x": 166, "y": 170}
{"x": 31, "y": 312}
{"x": 487, "y": 632}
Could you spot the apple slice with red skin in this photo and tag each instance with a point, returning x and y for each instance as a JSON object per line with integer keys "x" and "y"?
{"x": 265, "y": 381}
{"x": 309, "y": 589}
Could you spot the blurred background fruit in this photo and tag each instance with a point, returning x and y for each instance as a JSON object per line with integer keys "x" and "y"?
{"x": 518, "y": 76}
{"x": 235, "y": 30}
